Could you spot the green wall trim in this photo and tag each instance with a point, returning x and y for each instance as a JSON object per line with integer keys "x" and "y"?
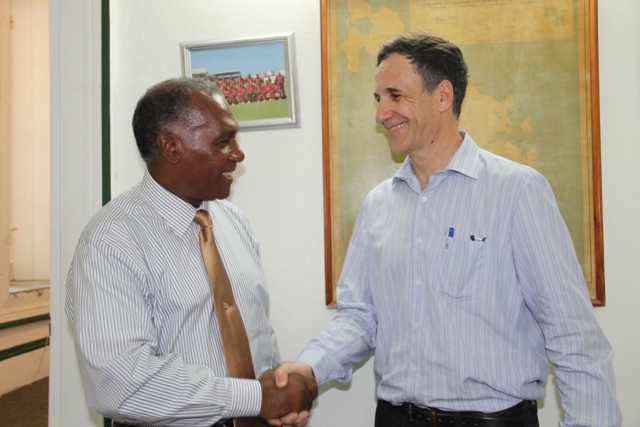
{"x": 106, "y": 94}
{"x": 23, "y": 348}
{"x": 14, "y": 323}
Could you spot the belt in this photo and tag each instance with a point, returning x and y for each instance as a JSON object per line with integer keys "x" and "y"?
{"x": 221, "y": 423}
{"x": 438, "y": 417}
{"x": 229, "y": 423}
{"x": 126, "y": 424}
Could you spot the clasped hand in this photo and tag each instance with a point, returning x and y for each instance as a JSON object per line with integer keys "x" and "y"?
{"x": 287, "y": 396}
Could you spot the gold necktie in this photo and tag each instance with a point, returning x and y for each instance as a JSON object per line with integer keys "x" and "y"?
{"x": 235, "y": 344}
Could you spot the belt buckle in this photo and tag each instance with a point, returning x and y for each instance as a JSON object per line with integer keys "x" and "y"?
{"x": 417, "y": 413}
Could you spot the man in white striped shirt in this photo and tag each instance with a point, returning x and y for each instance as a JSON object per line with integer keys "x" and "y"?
{"x": 138, "y": 294}
{"x": 460, "y": 273}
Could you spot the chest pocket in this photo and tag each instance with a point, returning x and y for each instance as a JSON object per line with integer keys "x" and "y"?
{"x": 460, "y": 269}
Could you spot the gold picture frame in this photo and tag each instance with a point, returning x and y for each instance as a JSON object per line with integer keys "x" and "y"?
{"x": 535, "y": 62}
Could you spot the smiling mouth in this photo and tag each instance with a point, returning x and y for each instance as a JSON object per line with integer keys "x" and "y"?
{"x": 396, "y": 127}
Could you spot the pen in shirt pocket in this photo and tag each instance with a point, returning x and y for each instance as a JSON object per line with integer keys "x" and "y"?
{"x": 449, "y": 237}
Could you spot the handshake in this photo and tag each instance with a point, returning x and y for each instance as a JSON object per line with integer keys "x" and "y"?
{"x": 287, "y": 394}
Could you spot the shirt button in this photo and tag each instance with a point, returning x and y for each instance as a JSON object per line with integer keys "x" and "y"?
{"x": 423, "y": 198}
{"x": 419, "y": 239}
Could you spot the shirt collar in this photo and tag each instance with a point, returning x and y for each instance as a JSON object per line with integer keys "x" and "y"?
{"x": 177, "y": 213}
{"x": 464, "y": 161}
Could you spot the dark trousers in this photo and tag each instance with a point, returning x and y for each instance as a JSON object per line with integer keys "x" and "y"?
{"x": 388, "y": 415}
{"x": 225, "y": 423}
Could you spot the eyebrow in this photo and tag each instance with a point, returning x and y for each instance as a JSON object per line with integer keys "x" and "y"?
{"x": 390, "y": 90}
{"x": 230, "y": 133}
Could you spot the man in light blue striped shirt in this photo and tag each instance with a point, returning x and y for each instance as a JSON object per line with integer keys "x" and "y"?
{"x": 460, "y": 274}
{"x": 138, "y": 294}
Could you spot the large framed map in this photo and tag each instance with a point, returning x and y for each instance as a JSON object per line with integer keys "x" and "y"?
{"x": 532, "y": 97}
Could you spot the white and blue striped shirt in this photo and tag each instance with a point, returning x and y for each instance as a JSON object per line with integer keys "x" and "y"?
{"x": 460, "y": 322}
{"x": 139, "y": 302}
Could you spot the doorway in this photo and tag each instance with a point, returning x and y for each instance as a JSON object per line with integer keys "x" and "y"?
{"x": 24, "y": 200}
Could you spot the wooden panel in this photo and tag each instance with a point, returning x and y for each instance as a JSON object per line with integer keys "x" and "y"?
{"x": 21, "y": 141}
{"x": 40, "y": 84}
{"x": 5, "y": 134}
{"x": 30, "y": 140}
{"x": 22, "y": 334}
{"x": 24, "y": 305}
{"x": 24, "y": 369}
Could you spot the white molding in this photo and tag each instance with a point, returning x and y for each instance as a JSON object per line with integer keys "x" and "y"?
{"x": 75, "y": 183}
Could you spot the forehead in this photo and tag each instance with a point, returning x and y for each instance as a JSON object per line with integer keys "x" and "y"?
{"x": 396, "y": 71}
{"x": 212, "y": 111}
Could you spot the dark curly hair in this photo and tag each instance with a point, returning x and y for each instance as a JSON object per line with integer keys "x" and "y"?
{"x": 434, "y": 58}
{"x": 163, "y": 104}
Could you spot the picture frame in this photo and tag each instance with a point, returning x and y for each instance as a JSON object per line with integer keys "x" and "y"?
{"x": 533, "y": 96}
{"x": 257, "y": 75}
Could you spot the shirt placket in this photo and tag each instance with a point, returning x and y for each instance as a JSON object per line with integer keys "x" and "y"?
{"x": 424, "y": 244}
{"x": 417, "y": 290}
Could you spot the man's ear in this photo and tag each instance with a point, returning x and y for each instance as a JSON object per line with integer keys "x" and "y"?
{"x": 168, "y": 147}
{"x": 445, "y": 89}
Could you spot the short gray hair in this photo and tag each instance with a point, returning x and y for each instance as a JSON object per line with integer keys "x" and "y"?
{"x": 163, "y": 104}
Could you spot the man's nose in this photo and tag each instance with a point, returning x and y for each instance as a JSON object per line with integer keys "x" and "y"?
{"x": 237, "y": 155}
{"x": 383, "y": 112}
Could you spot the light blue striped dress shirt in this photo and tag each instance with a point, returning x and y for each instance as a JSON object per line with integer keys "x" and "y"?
{"x": 139, "y": 302}
{"x": 462, "y": 323}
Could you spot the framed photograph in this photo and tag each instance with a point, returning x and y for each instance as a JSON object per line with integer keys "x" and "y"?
{"x": 532, "y": 97}
{"x": 257, "y": 76}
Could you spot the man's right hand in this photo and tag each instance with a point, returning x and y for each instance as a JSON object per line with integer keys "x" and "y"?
{"x": 295, "y": 396}
{"x": 281, "y": 374}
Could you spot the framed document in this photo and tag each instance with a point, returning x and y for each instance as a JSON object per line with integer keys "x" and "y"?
{"x": 532, "y": 97}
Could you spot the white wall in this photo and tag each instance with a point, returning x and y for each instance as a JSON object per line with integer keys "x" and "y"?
{"x": 620, "y": 114}
{"x": 280, "y": 184}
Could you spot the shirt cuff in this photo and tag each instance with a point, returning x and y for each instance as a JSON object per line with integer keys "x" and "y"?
{"x": 322, "y": 367}
{"x": 246, "y": 398}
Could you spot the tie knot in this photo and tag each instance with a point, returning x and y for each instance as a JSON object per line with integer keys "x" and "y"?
{"x": 202, "y": 218}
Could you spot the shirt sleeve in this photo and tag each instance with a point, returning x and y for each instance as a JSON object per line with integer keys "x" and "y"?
{"x": 556, "y": 294}
{"x": 125, "y": 377}
{"x": 351, "y": 335}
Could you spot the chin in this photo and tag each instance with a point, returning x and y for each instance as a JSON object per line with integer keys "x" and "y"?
{"x": 221, "y": 195}
{"x": 399, "y": 149}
